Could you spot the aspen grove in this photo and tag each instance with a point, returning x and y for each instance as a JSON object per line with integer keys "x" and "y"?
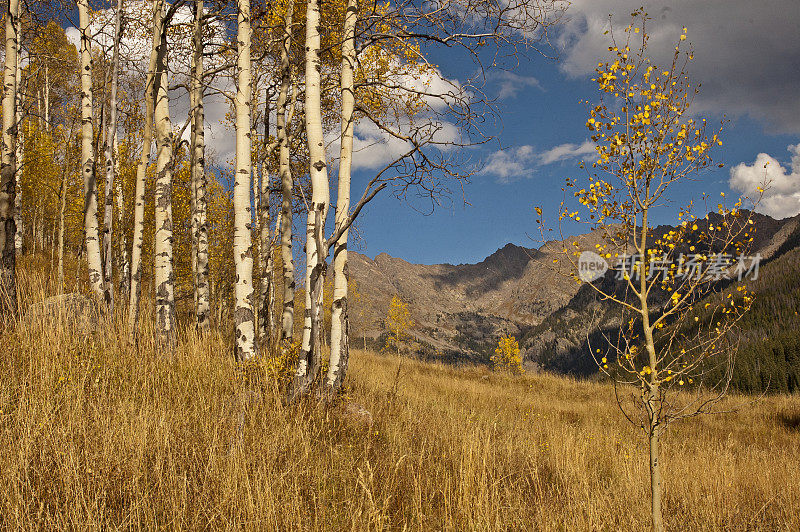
{"x": 214, "y": 241}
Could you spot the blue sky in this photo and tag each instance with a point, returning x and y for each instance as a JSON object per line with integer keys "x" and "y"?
{"x": 747, "y": 59}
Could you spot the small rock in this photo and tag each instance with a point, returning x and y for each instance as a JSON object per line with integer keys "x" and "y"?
{"x": 66, "y": 310}
{"x": 357, "y": 413}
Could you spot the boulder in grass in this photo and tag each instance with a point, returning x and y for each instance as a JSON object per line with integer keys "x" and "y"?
{"x": 358, "y": 413}
{"x": 72, "y": 311}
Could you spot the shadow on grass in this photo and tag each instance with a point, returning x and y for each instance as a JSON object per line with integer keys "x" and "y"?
{"x": 790, "y": 420}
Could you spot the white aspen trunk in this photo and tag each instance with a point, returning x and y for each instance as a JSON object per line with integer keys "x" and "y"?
{"x": 8, "y": 168}
{"x": 93, "y": 259}
{"x": 164, "y": 278}
{"x": 20, "y": 156}
{"x": 200, "y": 225}
{"x": 47, "y": 98}
{"x": 287, "y": 185}
{"x": 33, "y": 230}
{"x": 110, "y": 155}
{"x": 122, "y": 245}
{"x": 193, "y": 186}
{"x": 244, "y": 319}
{"x": 265, "y": 313}
{"x": 193, "y": 180}
{"x": 255, "y": 223}
{"x": 61, "y": 213}
{"x": 309, "y": 362}
{"x": 340, "y": 333}
{"x": 141, "y": 173}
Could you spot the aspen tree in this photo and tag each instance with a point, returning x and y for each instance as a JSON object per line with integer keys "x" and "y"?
{"x": 163, "y": 275}
{"x": 398, "y": 321}
{"x": 8, "y": 168}
{"x": 198, "y": 169}
{"x": 92, "y": 237}
{"x": 309, "y": 361}
{"x": 647, "y": 143}
{"x": 122, "y": 245}
{"x": 285, "y": 175}
{"x": 141, "y": 174}
{"x": 340, "y": 346}
{"x": 19, "y": 156}
{"x": 110, "y": 154}
{"x": 261, "y": 191}
{"x": 243, "y": 315}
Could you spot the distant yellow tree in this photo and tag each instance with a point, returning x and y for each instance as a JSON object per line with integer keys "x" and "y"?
{"x": 507, "y": 356}
{"x": 398, "y": 321}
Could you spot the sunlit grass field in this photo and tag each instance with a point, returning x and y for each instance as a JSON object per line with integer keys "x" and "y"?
{"x": 95, "y": 434}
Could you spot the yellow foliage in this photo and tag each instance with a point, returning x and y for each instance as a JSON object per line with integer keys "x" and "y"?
{"x": 399, "y": 322}
{"x": 507, "y": 357}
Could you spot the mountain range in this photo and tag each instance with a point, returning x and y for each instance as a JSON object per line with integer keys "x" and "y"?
{"x": 460, "y": 311}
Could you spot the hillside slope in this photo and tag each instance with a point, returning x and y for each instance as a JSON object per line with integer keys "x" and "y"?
{"x": 768, "y": 357}
{"x": 462, "y": 310}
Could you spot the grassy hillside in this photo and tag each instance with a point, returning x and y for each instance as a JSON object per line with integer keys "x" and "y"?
{"x": 98, "y": 435}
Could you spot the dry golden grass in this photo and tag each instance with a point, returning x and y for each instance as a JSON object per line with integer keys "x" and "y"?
{"x": 97, "y": 435}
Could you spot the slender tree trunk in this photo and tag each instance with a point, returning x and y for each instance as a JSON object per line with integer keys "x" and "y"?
{"x": 8, "y": 169}
{"x": 652, "y": 402}
{"x": 193, "y": 183}
{"x": 110, "y": 136}
{"x": 340, "y": 341}
{"x": 93, "y": 259}
{"x": 141, "y": 174}
{"x": 20, "y": 158}
{"x": 122, "y": 244}
{"x": 265, "y": 313}
{"x": 244, "y": 319}
{"x": 309, "y": 361}
{"x": 47, "y": 98}
{"x": 163, "y": 275}
{"x": 61, "y": 212}
{"x": 200, "y": 225}
{"x": 287, "y": 185}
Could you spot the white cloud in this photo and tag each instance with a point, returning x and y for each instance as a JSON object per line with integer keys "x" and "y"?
{"x": 522, "y": 161}
{"x": 565, "y": 152}
{"x": 511, "y": 84}
{"x": 782, "y": 186}
{"x": 510, "y": 164}
{"x": 747, "y": 54}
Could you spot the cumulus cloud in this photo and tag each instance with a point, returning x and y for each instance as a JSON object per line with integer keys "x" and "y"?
{"x": 511, "y": 84}
{"x": 522, "y": 161}
{"x": 747, "y": 54}
{"x": 781, "y": 185}
{"x": 510, "y": 164}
